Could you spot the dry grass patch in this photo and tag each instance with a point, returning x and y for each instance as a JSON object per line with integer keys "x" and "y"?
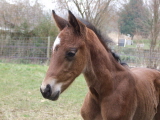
{"x": 21, "y": 99}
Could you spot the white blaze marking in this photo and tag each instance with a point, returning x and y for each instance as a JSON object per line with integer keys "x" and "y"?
{"x": 54, "y": 86}
{"x": 56, "y": 42}
{"x": 57, "y": 87}
{"x": 51, "y": 82}
{"x": 43, "y": 87}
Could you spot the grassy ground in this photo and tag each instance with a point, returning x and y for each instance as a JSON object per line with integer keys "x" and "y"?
{"x": 20, "y": 98}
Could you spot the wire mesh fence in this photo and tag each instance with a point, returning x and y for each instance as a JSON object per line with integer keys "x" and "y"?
{"x": 136, "y": 57}
{"x": 25, "y": 50}
{"x": 37, "y": 50}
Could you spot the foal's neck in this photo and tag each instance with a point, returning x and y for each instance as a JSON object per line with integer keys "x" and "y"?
{"x": 101, "y": 67}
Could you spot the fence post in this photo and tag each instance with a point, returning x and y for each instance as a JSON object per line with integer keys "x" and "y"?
{"x": 48, "y": 49}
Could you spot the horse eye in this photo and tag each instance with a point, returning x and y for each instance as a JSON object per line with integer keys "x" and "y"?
{"x": 70, "y": 54}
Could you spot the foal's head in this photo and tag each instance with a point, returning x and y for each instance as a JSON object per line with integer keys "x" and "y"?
{"x": 68, "y": 56}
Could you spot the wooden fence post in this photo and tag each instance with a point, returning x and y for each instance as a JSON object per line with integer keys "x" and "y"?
{"x": 48, "y": 49}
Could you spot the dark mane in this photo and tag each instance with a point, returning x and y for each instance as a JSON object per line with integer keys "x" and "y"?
{"x": 105, "y": 40}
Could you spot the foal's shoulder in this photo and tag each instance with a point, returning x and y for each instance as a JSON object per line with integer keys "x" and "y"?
{"x": 144, "y": 70}
{"x": 147, "y": 74}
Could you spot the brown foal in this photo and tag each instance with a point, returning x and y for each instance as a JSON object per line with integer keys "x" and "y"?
{"x": 115, "y": 91}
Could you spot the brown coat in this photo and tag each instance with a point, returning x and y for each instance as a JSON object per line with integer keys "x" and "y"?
{"x": 115, "y": 91}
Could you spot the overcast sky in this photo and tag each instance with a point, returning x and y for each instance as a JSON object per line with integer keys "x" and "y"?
{"x": 47, "y": 3}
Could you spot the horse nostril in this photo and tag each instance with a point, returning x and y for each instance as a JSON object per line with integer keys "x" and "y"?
{"x": 47, "y": 91}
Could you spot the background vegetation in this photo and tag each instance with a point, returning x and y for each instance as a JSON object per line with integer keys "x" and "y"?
{"x": 20, "y": 18}
{"x": 129, "y": 17}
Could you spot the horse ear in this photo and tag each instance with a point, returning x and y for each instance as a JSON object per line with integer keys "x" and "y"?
{"x": 61, "y": 23}
{"x": 75, "y": 23}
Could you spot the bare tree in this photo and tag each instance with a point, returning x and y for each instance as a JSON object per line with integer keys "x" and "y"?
{"x": 20, "y": 15}
{"x": 155, "y": 25}
{"x": 155, "y": 31}
{"x": 99, "y": 12}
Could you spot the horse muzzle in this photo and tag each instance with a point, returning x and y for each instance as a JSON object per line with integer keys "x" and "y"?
{"x": 49, "y": 94}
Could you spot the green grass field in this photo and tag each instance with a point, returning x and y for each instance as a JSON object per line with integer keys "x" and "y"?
{"x": 20, "y": 98}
